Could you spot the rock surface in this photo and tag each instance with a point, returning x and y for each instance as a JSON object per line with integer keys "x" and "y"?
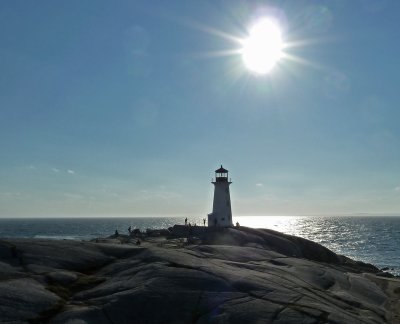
{"x": 238, "y": 275}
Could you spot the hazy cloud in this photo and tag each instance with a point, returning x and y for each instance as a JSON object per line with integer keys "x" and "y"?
{"x": 397, "y": 188}
{"x": 71, "y": 171}
{"x": 259, "y": 184}
{"x": 55, "y": 170}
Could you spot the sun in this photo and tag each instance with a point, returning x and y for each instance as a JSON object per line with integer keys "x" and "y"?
{"x": 263, "y": 48}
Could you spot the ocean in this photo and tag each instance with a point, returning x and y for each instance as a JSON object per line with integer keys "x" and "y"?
{"x": 373, "y": 240}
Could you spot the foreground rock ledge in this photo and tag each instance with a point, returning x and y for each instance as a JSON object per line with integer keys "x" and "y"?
{"x": 237, "y": 275}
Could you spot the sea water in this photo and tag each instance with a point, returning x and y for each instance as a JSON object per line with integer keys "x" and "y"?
{"x": 373, "y": 240}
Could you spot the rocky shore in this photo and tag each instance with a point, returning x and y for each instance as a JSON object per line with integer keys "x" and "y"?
{"x": 191, "y": 275}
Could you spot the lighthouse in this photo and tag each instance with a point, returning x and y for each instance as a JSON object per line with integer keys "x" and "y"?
{"x": 221, "y": 215}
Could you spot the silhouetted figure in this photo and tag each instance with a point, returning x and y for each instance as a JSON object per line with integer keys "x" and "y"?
{"x": 204, "y": 221}
{"x": 185, "y": 221}
{"x": 237, "y": 224}
{"x": 138, "y": 242}
{"x": 129, "y": 229}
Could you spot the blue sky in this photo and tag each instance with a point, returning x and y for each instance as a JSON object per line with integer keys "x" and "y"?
{"x": 123, "y": 108}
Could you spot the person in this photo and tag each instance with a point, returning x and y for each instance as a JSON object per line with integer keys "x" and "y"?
{"x": 185, "y": 221}
{"x": 138, "y": 242}
{"x": 204, "y": 221}
{"x": 237, "y": 224}
{"x": 116, "y": 233}
{"x": 130, "y": 229}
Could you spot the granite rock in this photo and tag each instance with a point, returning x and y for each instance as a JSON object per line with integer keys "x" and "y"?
{"x": 232, "y": 276}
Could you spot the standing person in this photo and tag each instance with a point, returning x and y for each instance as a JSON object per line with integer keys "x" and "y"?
{"x": 204, "y": 221}
{"x": 185, "y": 221}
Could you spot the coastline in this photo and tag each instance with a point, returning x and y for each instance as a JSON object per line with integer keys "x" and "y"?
{"x": 236, "y": 274}
{"x": 372, "y": 240}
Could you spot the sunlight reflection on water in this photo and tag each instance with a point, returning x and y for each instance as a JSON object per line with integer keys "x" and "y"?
{"x": 373, "y": 240}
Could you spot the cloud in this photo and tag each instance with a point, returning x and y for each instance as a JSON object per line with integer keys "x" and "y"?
{"x": 55, "y": 170}
{"x": 397, "y": 188}
{"x": 259, "y": 184}
{"x": 71, "y": 171}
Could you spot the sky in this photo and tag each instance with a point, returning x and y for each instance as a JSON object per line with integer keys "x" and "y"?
{"x": 127, "y": 108}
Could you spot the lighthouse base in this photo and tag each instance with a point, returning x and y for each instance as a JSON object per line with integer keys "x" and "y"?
{"x": 217, "y": 220}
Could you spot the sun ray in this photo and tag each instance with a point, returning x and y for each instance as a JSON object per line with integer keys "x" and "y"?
{"x": 310, "y": 41}
{"x": 209, "y": 30}
{"x": 220, "y": 53}
{"x": 267, "y": 51}
{"x": 298, "y": 59}
{"x": 216, "y": 32}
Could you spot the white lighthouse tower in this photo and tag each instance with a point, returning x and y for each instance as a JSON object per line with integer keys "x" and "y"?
{"x": 222, "y": 213}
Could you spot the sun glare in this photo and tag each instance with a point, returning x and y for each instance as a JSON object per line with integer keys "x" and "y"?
{"x": 263, "y": 48}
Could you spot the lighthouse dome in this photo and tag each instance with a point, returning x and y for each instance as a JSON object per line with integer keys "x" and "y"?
{"x": 221, "y": 170}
